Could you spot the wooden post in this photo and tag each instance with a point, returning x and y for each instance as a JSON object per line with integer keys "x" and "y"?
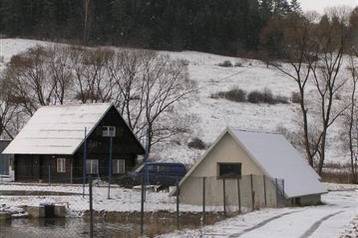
{"x": 224, "y": 196}
{"x": 91, "y": 205}
{"x": 238, "y": 194}
{"x": 204, "y": 200}
{"x": 252, "y": 193}
{"x": 265, "y": 191}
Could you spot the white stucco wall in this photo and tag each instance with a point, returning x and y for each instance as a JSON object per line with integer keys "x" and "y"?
{"x": 226, "y": 150}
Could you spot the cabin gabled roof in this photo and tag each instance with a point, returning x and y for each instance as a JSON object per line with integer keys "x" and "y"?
{"x": 58, "y": 129}
{"x": 277, "y": 158}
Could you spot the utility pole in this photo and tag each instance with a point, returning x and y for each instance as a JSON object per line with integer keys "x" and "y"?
{"x": 86, "y": 24}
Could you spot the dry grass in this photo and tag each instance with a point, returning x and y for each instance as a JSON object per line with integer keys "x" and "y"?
{"x": 337, "y": 173}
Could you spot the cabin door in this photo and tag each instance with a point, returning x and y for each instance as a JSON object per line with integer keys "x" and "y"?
{"x": 36, "y": 168}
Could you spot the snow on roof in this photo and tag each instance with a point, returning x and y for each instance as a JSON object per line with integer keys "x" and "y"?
{"x": 57, "y": 129}
{"x": 279, "y": 159}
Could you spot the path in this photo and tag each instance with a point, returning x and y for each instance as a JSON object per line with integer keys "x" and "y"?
{"x": 324, "y": 221}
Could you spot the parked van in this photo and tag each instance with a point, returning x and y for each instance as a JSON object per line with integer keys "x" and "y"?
{"x": 158, "y": 173}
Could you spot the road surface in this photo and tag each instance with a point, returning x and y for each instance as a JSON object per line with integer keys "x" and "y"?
{"x": 324, "y": 221}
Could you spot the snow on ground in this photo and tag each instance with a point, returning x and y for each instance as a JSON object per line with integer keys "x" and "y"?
{"x": 335, "y": 218}
{"x": 212, "y": 116}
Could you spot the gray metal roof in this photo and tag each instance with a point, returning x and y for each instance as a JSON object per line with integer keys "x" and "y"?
{"x": 279, "y": 159}
{"x": 57, "y": 129}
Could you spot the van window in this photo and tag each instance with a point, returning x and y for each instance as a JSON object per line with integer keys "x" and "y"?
{"x": 151, "y": 168}
{"x": 164, "y": 169}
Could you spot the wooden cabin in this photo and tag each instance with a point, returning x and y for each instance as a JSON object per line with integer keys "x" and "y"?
{"x": 52, "y": 146}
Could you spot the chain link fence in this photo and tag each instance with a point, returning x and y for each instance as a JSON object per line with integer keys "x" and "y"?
{"x": 53, "y": 209}
{"x": 237, "y": 195}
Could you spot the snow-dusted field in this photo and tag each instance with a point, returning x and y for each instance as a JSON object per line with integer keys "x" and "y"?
{"x": 210, "y": 118}
{"x": 335, "y": 218}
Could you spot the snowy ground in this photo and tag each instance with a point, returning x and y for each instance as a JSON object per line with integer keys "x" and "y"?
{"x": 210, "y": 118}
{"x": 336, "y": 218}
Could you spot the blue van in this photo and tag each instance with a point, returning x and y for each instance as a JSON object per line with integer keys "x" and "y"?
{"x": 159, "y": 173}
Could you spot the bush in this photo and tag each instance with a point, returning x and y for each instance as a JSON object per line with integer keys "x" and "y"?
{"x": 197, "y": 143}
{"x": 126, "y": 182}
{"x": 265, "y": 97}
{"x": 295, "y": 97}
{"x": 238, "y": 64}
{"x": 255, "y": 97}
{"x": 226, "y": 63}
{"x": 235, "y": 95}
{"x": 282, "y": 99}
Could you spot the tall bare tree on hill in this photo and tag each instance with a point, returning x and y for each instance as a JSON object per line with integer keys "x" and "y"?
{"x": 315, "y": 54}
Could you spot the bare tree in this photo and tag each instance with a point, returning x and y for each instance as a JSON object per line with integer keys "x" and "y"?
{"x": 8, "y": 110}
{"x": 349, "y": 132}
{"x": 332, "y": 37}
{"x": 299, "y": 52}
{"x": 314, "y": 53}
{"x": 60, "y": 71}
{"x": 126, "y": 69}
{"x": 92, "y": 81}
{"x": 143, "y": 84}
{"x": 149, "y": 85}
{"x": 28, "y": 81}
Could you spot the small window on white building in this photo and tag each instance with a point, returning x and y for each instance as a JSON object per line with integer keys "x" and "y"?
{"x": 61, "y": 165}
{"x": 92, "y": 166}
{"x": 229, "y": 170}
{"x": 119, "y": 166}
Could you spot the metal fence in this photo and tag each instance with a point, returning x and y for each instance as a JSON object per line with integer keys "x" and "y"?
{"x": 212, "y": 195}
{"x": 247, "y": 193}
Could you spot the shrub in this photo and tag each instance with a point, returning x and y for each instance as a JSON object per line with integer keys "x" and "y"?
{"x": 226, "y": 63}
{"x": 125, "y": 182}
{"x": 255, "y": 97}
{"x": 282, "y": 99}
{"x": 235, "y": 95}
{"x": 265, "y": 97}
{"x": 295, "y": 97}
{"x": 268, "y": 97}
{"x": 238, "y": 64}
{"x": 197, "y": 143}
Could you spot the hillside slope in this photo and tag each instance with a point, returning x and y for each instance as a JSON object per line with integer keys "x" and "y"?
{"x": 208, "y": 117}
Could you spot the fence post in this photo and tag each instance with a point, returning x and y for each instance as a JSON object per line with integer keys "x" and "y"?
{"x": 49, "y": 174}
{"x": 283, "y": 190}
{"x": 178, "y": 194}
{"x": 204, "y": 178}
{"x": 91, "y": 205}
{"x": 252, "y": 193}
{"x": 276, "y": 192}
{"x": 224, "y": 196}
{"x": 265, "y": 199}
{"x": 238, "y": 194}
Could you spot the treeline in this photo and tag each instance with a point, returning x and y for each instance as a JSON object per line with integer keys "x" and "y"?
{"x": 227, "y": 26}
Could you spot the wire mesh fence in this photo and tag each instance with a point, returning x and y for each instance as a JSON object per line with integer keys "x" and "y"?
{"x": 56, "y": 209}
{"x": 234, "y": 195}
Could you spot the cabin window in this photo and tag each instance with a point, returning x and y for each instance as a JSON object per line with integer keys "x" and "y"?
{"x": 61, "y": 165}
{"x": 229, "y": 170}
{"x": 108, "y": 131}
{"x": 119, "y": 166}
{"x": 92, "y": 166}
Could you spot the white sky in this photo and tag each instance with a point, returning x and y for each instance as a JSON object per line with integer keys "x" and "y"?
{"x": 320, "y": 5}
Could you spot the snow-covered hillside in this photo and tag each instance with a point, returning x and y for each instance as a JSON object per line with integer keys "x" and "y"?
{"x": 209, "y": 116}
